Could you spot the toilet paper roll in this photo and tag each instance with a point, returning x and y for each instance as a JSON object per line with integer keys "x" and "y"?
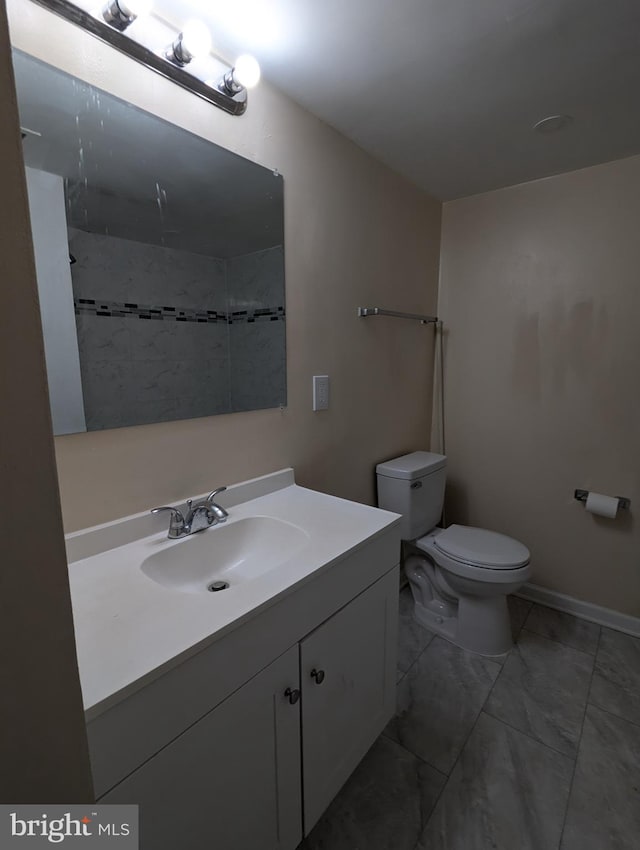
{"x": 602, "y": 505}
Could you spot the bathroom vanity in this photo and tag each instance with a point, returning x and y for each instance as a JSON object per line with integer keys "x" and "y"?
{"x": 233, "y": 717}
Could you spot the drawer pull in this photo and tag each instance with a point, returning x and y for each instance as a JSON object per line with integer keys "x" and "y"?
{"x": 318, "y": 675}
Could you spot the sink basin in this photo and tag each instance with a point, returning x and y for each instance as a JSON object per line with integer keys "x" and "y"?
{"x": 225, "y": 555}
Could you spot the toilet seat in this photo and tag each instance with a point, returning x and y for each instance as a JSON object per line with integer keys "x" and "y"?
{"x": 477, "y": 554}
{"x": 481, "y": 548}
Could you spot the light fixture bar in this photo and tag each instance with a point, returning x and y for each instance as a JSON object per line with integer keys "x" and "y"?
{"x": 118, "y": 15}
{"x": 141, "y": 54}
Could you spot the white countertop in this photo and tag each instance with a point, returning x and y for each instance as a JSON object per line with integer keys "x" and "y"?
{"x": 130, "y": 629}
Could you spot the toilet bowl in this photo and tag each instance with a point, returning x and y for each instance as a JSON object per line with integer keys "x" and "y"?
{"x": 459, "y": 576}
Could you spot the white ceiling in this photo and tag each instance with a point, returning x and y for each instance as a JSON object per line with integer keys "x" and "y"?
{"x": 447, "y": 91}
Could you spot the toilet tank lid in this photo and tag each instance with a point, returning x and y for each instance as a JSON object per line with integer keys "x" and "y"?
{"x": 414, "y": 465}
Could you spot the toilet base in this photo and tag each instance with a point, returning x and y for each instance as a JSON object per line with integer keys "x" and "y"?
{"x": 481, "y": 624}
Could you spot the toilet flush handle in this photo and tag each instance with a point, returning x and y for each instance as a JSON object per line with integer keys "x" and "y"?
{"x": 416, "y": 485}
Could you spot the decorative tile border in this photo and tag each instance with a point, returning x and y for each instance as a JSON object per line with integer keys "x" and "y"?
{"x": 117, "y": 309}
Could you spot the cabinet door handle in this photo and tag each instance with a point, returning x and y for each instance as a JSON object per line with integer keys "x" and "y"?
{"x": 293, "y": 694}
{"x": 318, "y": 675}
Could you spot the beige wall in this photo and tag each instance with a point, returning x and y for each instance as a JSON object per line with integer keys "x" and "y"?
{"x": 540, "y": 295}
{"x": 43, "y": 747}
{"x": 356, "y": 234}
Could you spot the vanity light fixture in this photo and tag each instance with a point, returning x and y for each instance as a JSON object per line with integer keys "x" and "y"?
{"x": 122, "y": 13}
{"x": 109, "y": 22}
{"x": 245, "y": 74}
{"x": 194, "y": 40}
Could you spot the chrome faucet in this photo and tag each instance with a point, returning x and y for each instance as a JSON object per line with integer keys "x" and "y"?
{"x": 203, "y": 514}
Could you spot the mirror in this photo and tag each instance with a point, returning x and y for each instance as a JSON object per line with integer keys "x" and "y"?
{"x": 160, "y": 261}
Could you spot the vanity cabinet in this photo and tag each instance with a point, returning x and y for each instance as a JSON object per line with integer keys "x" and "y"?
{"x": 232, "y": 780}
{"x": 236, "y": 779}
{"x": 348, "y": 672}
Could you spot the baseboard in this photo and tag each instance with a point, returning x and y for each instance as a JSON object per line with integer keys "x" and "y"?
{"x": 586, "y": 610}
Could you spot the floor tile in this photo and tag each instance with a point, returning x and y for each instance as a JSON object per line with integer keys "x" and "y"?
{"x": 616, "y": 679}
{"x": 412, "y": 637}
{"x": 439, "y": 700}
{"x": 506, "y": 791}
{"x": 385, "y": 804}
{"x": 542, "y": 691}
{"x": 518, "y": 612}
{"x": 604, "y": 808}
{"x": 565, "y": 628}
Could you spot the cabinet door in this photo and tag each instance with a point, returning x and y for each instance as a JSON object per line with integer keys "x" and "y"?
{"x": 232, "y": 780}
{"x": 351, "y": 697}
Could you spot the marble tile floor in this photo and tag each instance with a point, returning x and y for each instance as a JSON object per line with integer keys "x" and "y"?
{"x": 536, "y": 750}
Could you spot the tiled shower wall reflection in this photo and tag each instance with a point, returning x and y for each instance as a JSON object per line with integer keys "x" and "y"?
{"x": 257, "y": 346}
{"x": 167, "y": 334}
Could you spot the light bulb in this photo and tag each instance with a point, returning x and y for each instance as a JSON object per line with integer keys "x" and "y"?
{"x": 246, "y": 71}
{"x": 196, "y": 38}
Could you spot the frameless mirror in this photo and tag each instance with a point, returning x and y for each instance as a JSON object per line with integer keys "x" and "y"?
{"x": 160, "y": 261}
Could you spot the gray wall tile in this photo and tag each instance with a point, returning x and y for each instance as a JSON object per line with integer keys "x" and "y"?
{"x": 103, "y": 338}
{"x": 123, "y": 270}
{"x": 176, "y": 370}
{"x": 256, "y": 280}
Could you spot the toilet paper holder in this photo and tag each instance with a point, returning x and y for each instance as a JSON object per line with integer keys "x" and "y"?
{"x": 623, "y": 503}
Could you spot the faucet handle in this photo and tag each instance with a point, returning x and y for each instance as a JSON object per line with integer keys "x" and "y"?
{"x": 212, "y": 495}
{"x": 176, "y": 513}
{"x": 177, "y": 524}
{"x": 218, "y": 510}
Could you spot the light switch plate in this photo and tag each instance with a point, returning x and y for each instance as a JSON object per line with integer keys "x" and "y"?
{"x": 320, "y": 392}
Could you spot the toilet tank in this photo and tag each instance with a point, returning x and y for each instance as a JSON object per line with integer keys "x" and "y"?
{"x": 413, "y": 485}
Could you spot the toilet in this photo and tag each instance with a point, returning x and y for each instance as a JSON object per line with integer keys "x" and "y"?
{"x": 459, "y": 576}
